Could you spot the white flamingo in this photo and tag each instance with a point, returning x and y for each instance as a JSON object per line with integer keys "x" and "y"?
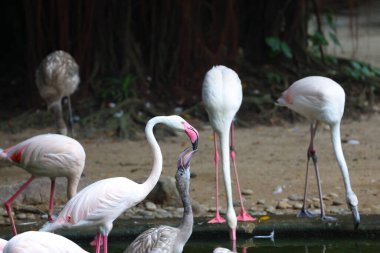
{"x": 41, "y": 242}
{"x": 166, "y": 238}
{"x": 2, "y": 244}
{"x": 321, "y": 99}
{"x": 222, "y": 96}
{"x": 100, "y": 203}
{"x": 46, "y": 155}
{"x": 57, "y": 77}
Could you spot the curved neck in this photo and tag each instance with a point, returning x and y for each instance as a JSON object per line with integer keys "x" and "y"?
{"x": 225, "y": 153}
{"x": 186, "y": 227}
{"x": 337, "y": 146}
{"x": 152, "y": 180}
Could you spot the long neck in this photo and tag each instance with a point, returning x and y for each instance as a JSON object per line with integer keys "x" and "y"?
{"x": 225, "y": 151}
{"x": 337, "y": 146}
{"x": 152, "y": 180}
{"x": 186, "y": 227}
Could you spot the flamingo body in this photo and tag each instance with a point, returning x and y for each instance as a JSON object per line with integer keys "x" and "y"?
{"x": 321, "y": 99}
{"x": 100, "y": 203}
{"x": 2, "y": 244}
{"x": 57, "y": 77}
{"x": 222, "y": 97}
{"x": 47, "y": 155}
{"x": 41, "y": 242}
{"x": 166, "y": 239}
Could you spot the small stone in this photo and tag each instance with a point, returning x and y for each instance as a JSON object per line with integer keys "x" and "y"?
{"x": 297, "y": 205}
{"x": 21, "y": 216}
{"x": 270, "y": 209}
{"x": 283, "y": 204}
{"x": 150, "y": 206}
{"x": 337, "y": 203}
{"x": 162, "y": 214}
{"x": 333, "y": 195}
{"x": 295, "y": 197}
{"x": 261, "y": 202}
{"x": 247, "y": 192}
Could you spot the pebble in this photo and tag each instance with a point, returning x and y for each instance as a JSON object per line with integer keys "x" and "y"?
{"x": 247, "y": 192}
{"x": 261, "y": 202}
{"x": 283, "y": 204}
{"x": 337, "y": 203}
{"x": 297, "y": 205}
{"x": 150, "y": 206}
{"x": 295, "y": 197}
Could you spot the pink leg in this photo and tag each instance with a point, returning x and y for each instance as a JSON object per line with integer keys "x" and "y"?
{"x": 51, "y": 200}
{"x": 217, "y": 218}
{"x": 98, "y": 242}
{"x": 243, "y": 216}
{"x": 8, "y": 204}
{"x": 105, "y": 243}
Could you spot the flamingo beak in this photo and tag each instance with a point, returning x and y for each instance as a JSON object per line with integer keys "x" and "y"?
{"x": 185, "y": 157}
{"x": 193, "y": 135}
{"x": 356, "y": 216}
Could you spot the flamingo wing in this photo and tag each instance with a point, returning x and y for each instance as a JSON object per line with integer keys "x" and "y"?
{"x": 154, "y": 240}
{"x": 98, "y": 204}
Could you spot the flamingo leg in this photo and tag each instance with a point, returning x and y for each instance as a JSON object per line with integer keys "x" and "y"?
{"x": 98, "y": 242}
{"x": 243, "y": 216}
{"x": 105, "y": 243}
{"x": 51, "y": 199}
{"x": 217, "y": 218}
{"x": 8, "y": 204}
{"x": 310, "y": 153}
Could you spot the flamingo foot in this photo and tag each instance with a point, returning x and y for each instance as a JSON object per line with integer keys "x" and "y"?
{"x": 326, "y": 218}
{"x": 217, "y": 219}
{"x": 306, "y": 214}
{"x": 244, "y": 216}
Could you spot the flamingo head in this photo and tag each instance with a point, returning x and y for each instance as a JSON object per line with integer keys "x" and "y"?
{"x": 179, "y": 124}
{"x": 183, "y": 165}
{"x": 352, "y": 202}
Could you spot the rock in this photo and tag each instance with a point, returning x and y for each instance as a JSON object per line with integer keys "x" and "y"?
{"x": 150, "y": 206}
{"x": 337, "y": 203}
{"x": 247, "y": 192}
{"x": 295, "y": 197}
{"x": 261, "y": 202}
{"x": 270, "y": 209}
{"x": 21, "y": 216}
{"x": 162, "y": 213}
{"x": 283, "y": 204}
{"x": 27, "y": 209}
{"x": 333, "y": 195}
{"x": 165, "y": 193}
{"x": 297, "y": 205}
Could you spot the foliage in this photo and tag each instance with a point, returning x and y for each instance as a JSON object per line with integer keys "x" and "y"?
{"x": 362, "y": 71}
{"x": 117, "y": 89}
{"x": 278, "y": 47}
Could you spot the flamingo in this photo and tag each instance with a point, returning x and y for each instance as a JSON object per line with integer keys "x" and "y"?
{"x": 222, "y": 96}
{"x": 57, "y": 77}
{"x": 41, "y": 242}
{"x": 2, "y": 244}
{"x": 100, "y": 203}
{"x": 321, "y": 99}
{"x": 46, "y": 155}
{"x": 166, "y": 238}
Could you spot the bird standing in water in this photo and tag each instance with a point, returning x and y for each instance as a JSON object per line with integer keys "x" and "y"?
{"x": 166, "y": 238}
{"x": 57, "y": 77}
{"x": 100, "y": 203}
{"x": 46, "y": 155}
{"x": 222, "y": 96}
{"x": 321, "y": 99}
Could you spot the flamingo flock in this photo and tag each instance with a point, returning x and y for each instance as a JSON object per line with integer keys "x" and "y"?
{"x": 98, "y": 205}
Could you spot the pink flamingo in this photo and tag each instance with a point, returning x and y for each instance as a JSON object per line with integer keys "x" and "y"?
{"x": 39, "y": 242}
{"x": 166, "y": 238}
{"x": 100, "y": 203}
{"x": 222, "y": 96}
{"x": 46, "y": 155}
{"x": 2, "y": 244}
{"x": 57, "y": 77}
{"x": 321, "y": 99}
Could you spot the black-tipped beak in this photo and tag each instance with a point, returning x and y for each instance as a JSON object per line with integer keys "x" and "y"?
{"x": 356, "y": 216}
{"x": 195, "y": 144}
{"x": 185, "y": 157}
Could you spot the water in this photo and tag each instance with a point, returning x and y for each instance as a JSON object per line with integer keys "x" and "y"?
{"x": 267, "y": 246}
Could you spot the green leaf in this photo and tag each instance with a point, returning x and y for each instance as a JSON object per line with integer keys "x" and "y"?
{"x": 286, "y": 50}
{"x": 273, "y": 43}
